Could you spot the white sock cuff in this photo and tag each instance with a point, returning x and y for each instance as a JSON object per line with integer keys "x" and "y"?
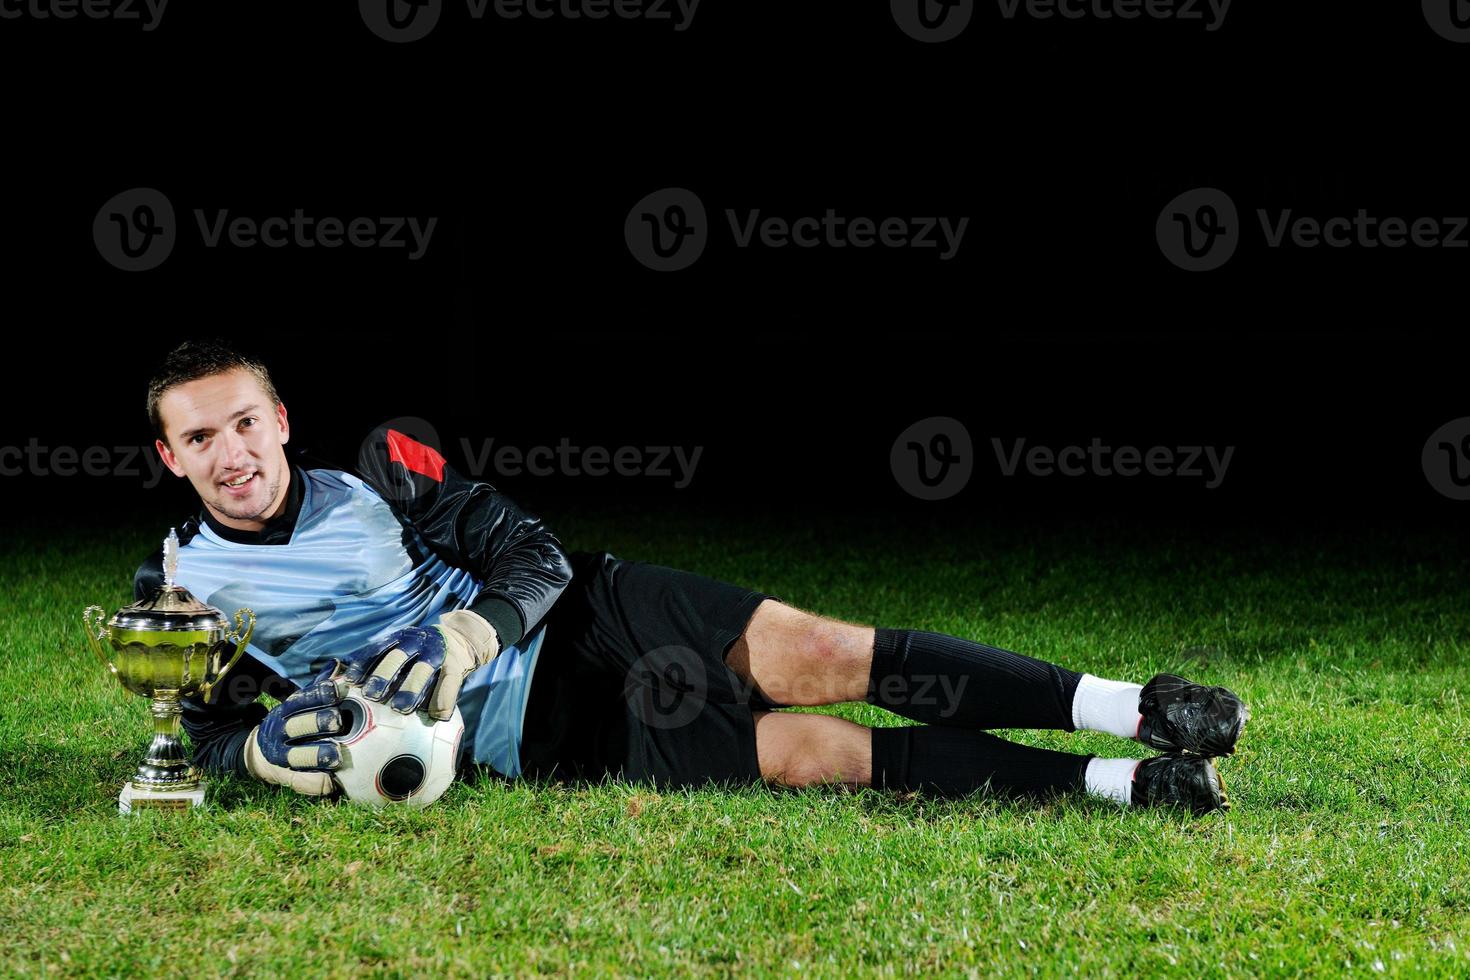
{"x": 1101, "y": 705}
{"x": 1112, "y": 778}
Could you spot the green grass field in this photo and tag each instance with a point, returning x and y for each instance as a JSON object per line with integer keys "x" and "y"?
{"x": 1346, "y": 848}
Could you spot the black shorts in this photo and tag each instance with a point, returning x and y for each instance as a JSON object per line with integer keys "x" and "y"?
{"x": 632, "y": 683}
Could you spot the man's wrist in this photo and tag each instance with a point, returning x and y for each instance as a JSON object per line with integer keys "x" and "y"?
{"x": 500, "y": 613}
{"x": 232, "y": 756}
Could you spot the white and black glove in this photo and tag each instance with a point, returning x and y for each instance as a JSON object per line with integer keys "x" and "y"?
{"x": 292, "y": 746}
{"x": 424, "y": 667}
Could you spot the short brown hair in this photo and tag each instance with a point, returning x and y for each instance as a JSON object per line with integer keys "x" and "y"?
{"x": 195, "y": 359}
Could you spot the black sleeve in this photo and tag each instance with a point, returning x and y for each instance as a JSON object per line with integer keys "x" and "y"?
{"x": 472, "y": 526}
{"x": 217, "y": 730}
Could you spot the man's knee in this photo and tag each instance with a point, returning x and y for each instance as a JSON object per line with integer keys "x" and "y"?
{"x": 782, "y": 748}
{"x": 810, "y": 750}
{"x": 808, "y": 654}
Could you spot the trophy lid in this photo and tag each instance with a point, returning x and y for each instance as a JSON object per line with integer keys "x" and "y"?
{"x": 170, "y": 607}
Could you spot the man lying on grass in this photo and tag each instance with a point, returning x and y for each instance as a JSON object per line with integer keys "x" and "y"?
{"x": 435, "y": 591}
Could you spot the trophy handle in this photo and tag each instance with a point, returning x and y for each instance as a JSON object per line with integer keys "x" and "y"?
{"x": 96, "y": 633}
{"x": 241, "y": 637}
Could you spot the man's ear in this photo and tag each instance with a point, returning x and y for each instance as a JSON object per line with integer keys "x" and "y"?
{"x": 283, "y": 422}
{"x": 168, "y": 457}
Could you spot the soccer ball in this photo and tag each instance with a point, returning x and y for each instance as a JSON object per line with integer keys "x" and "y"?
{"x": 390, "y": 758}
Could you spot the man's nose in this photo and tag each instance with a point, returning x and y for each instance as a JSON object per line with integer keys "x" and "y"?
{"x": 233, "y": 448}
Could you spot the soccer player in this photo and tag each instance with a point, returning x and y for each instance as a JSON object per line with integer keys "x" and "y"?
{"x": 434, "y": 590}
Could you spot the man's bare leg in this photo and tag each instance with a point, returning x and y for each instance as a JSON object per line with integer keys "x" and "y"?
{"x": 796, "y": 657}
{"x": 798, "y": 750}
{"x": 812, "y": 750}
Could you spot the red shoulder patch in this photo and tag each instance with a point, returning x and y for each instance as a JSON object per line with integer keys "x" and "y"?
{"x": 415, "y": 455}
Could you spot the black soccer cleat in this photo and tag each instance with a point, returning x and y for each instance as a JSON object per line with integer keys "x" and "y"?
{"x": 1182, "y": 780}
{"x": 1190, "y": 719}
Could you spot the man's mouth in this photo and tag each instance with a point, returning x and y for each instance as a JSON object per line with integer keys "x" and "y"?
{"x": 240, "y": 483}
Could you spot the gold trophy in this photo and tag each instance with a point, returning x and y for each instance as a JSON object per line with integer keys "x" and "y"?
{"x": 165, "y": 647}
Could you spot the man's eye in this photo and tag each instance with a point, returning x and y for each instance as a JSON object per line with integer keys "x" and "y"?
{"x": 249, "y": 421}
{"x": 195, "y": 439}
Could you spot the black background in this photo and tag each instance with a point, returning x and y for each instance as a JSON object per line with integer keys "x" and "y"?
{"x": 528, "y": 320}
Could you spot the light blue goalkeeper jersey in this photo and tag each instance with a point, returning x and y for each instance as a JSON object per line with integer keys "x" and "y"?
{"x": 352, "y": 574}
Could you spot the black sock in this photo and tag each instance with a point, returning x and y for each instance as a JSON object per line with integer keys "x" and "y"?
{"x": 953, "y": 762}
{"x": 944, "y": 680}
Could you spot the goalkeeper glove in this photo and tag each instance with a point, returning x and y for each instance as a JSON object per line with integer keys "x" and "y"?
{"x": 291, "y": 747}
{"x": 424, "y": 667}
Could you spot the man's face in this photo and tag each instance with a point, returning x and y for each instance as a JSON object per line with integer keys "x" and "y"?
{"x": 219, "y": 430}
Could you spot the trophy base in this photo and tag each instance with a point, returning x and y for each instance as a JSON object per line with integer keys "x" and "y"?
{"x": 135, "y": 797}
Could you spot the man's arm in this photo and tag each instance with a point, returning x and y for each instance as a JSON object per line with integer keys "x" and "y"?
{"x": 472, "y": 526}
{"x": 218, "y": 731}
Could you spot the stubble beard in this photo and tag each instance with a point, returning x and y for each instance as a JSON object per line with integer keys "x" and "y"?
{"x": 223, "y": 504}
